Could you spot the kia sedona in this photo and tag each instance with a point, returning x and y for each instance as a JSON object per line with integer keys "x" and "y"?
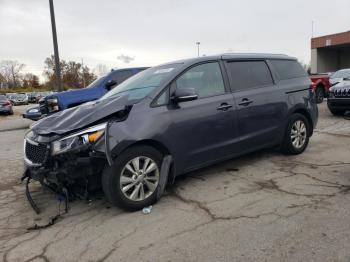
{"x": 172, "y": 119}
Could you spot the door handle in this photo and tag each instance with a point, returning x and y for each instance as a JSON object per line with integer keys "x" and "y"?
{"x": 245, "y": 102}
{"x": 224, "y": 107}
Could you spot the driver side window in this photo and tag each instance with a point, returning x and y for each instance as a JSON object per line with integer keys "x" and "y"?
{"x": 206, "y": 79}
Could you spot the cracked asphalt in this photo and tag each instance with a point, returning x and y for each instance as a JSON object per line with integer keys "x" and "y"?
{"x": 259, "y": 207}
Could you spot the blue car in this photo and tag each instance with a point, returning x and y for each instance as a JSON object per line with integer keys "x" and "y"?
{"x": 71, "y": 98}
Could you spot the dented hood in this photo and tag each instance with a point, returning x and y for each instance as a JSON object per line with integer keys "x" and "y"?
{"x": 79, "y": 117}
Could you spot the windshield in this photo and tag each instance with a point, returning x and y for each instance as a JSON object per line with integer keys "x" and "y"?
{"x": 21, "y": 95}
{"x": 97, "y": 82}
{"x": 341, "y": 74}
{"x": 142, "y": 84}
{"x": 2, "y": 98}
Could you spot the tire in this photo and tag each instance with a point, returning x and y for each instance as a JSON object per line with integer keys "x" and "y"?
{"x": 111, "y": 178}
{"x": 320, "y": 94}
{"x": 11, "y": 112}
{"x": 290, "y": 145}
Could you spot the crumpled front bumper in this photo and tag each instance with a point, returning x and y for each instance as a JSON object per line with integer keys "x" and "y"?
{"x": 69, "y": 169}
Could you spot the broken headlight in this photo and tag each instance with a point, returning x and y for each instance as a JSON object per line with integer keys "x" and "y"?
{"x": 84, "y": 137}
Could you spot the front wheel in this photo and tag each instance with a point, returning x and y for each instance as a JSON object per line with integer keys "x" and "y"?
{"x": 132, "y": 181}
{"x": 297, "y": 135}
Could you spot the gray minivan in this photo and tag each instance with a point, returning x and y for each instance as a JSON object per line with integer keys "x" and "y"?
{"x": 172, "y": 119}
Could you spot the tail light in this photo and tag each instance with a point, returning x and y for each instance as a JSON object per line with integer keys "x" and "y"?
{"x": 6, "y": 103}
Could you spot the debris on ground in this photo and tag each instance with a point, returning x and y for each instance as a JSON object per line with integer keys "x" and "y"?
{"x": 147, "y": 210}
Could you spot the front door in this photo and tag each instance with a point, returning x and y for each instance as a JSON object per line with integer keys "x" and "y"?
{"x": 204, "y": 130}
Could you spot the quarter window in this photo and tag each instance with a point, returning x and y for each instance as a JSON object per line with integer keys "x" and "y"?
{"x": 249, "y": 74}
{"x": 206, "y": 79}
{"x": 287, "y": 69}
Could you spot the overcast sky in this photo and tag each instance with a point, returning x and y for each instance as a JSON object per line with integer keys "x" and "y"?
{"x": 158, "y": 31}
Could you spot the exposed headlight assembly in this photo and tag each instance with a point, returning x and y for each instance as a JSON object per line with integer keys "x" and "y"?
{"x": 84, "y": 137}
{"x": 52, "y": 104}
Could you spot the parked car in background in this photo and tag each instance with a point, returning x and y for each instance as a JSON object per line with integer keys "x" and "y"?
{"x": 60, "y": 101}
{"x": 5, "y": 105}
{"x": 172, "y": 119}
{"x": 19, "y": 99}
{"x": 32, "y": 98}
{"x": 338, "y": 101}
{"x": 321, "y": 85}
{"x": 339, "y": 76}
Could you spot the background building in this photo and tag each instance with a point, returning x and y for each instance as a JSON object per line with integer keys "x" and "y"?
{"x": 330, "y": 53}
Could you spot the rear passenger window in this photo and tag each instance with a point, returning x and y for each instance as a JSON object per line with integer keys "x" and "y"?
{"x": 121, "y": 76}
{"x": 287, "y": 69}
{"x": 249, "y": 74}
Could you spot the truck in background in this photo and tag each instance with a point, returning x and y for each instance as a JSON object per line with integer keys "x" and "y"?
{"x": 60, "y": 101}
{"x": 321, "y": 85}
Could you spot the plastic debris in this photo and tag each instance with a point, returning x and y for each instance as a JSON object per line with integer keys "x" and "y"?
{"x": 147, "y": 210}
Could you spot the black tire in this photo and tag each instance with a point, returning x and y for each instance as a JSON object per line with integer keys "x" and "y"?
{"x": 320, "y": 94}
{"x": 288, "y": 147}
{"x": 111, "y": 178}
{"x": 11, "y": 112}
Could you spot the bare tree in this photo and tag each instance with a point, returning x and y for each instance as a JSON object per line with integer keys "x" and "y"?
{"x": 72, "y": 73}
{"x": 100, "y": 70}
{"x": 30, "y": 80}
{"x": 11, "y": 71}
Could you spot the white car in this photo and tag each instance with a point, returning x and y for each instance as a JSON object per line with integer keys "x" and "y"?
{"x": 339, "y": 76}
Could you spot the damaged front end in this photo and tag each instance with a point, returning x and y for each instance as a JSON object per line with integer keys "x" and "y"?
{"x": 68, "y": 162}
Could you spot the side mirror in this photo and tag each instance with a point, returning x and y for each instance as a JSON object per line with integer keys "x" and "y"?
{"x": 110, "y": 84}
{"x": 184, "y": 94}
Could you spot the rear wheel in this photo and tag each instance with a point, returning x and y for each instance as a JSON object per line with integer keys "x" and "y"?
{"x": 132, "y": 181}
{"x": 320, "y": 94}
{"x": 297, "y": 135}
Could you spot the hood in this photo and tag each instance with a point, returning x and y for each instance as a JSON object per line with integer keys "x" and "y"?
{"x": 336, "y": 80}
{"x": 341, "y": 85}
{"x": 75, "y": 118}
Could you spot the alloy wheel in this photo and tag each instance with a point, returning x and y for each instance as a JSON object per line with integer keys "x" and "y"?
{"x": 298, "y": 134}
{"x": 139, "y": 178}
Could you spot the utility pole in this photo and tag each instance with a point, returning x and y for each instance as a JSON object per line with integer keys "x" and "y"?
{"x": 312, "y": 28}
{"x": 82, "y": 67}
{"x": 198, "y": 43}
{"x": 55, "y": 47}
